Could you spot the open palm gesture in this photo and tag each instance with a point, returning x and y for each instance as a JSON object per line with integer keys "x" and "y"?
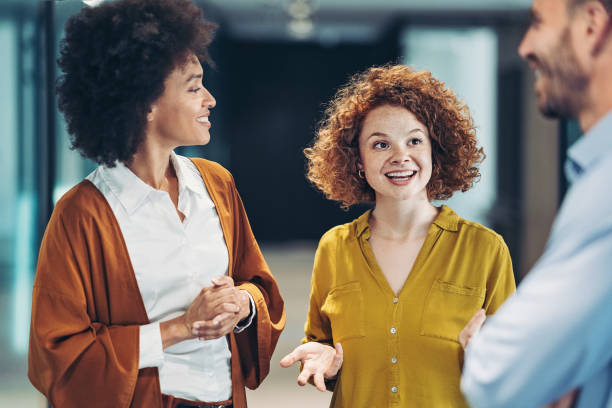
{"x": 319, "y": 361}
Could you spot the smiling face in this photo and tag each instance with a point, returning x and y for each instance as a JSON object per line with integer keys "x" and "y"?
{"x": 395, "y": 153}
{"x": 548, "y": 46}
{"x": 180, "y": 116}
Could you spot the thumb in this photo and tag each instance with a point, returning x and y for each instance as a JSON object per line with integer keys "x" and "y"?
{"x": 335, "y": 365}
{"x": 339, "y": 353}
{"x": 222, "y": 280}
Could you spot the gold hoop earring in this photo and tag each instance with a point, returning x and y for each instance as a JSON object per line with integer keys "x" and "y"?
{"x": 361, "y": 174}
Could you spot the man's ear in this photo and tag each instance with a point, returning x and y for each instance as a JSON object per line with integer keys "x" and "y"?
{"x": 598, "y": 25}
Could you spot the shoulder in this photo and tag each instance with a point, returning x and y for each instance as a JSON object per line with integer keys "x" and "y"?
{"x": 477, "y": 235}
{"x": 480, "y": 232}
{"x": 345, "y": 233}
{"x": 81, "y": 211}
{"x": 81, "y": 200}
{"x": 585, "y": 201}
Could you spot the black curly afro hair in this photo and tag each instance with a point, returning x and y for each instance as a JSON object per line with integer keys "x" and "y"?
{"x": 115, "y": 58}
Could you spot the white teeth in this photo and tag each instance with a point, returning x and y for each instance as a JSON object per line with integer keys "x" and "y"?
{"x": 202, "y": 119}
{"x": 409, "y": 173}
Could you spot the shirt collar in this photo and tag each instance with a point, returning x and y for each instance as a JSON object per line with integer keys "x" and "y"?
{"x": 447, "y": 220}
{"x": 362, "y": 223}
{"x": 131, "y": 191}
{"x": 590, "y": 148}
{"x": 188, "y": 176}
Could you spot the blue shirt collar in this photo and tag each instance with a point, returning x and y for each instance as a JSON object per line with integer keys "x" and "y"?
{"x": 590, "y": 148}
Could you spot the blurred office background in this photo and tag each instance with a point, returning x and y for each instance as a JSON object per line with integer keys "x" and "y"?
{"x": 278, "y": 63}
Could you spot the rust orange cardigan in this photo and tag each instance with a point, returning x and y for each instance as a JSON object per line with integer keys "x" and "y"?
{"x": 87, "y": 308}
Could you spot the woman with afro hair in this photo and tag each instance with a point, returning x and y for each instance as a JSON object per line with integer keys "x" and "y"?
{"x": 150, "y": 290}
{"x": 392, "y": 290}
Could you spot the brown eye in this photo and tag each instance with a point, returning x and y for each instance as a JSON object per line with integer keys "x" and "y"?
{"x": 381, "y": 145}
{"x": 415, "y": 141}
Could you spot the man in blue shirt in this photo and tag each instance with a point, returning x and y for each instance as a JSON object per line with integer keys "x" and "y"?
{"x": 555, "y": 334}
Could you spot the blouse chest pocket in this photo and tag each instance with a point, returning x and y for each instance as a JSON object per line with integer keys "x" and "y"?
{"x": 448, "y": 308}
{"x": 344, "y": 308}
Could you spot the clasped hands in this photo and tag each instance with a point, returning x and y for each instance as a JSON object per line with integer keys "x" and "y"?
{"x": 217, "y": 309}
{"x": 319, "y": 361}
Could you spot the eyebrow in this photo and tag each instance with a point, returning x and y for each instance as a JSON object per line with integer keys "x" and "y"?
{"x": 192, "y": 77}
{"x": 386, "y": 135}
{"x": 377, "y": 134}
{"x": 534, "y": 16}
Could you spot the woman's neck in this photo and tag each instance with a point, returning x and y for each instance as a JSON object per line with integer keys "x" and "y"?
{"x": 151, "y": 164}
{"x": 402, "y": 219}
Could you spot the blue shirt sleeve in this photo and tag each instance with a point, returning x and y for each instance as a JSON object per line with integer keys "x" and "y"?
{"x": 556, "y": 332}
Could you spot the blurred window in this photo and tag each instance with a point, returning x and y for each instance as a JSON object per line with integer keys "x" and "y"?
{"x": 466, "y": 60}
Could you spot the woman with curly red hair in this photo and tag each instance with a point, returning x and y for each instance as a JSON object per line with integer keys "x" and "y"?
{"x": 392, "y": 290}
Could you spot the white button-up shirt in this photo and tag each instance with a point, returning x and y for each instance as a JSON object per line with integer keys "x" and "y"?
{"x": 173, "y": 261}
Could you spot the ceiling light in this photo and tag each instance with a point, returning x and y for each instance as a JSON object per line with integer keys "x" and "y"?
{"x": 93, "y": 3}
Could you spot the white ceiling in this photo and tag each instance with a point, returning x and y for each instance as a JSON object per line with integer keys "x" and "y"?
{"x": 377, "y": 5}
{"x": 335, "y": 21}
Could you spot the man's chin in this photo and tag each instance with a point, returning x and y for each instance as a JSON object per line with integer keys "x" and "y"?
{"x": 549, "y": 111}
{"x": 550, "y": 108}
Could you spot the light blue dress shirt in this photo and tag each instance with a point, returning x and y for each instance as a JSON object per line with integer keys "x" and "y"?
{"x": 555, "y": 333}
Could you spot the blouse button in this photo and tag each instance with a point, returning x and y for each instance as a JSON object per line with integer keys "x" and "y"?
{"x": 393, "y": 360}
{"x": 393, "y": 330}
{"x": 395, "y": 300}
{"x": 394, "y": 389}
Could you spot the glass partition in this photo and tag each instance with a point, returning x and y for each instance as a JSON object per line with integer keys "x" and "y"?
{"x": 473, "y": 77}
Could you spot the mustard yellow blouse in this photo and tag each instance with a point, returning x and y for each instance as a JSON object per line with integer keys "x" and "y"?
{"x": 402, "y": 351}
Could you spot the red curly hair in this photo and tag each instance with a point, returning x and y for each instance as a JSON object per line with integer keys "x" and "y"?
{"x": 333, "y": 157}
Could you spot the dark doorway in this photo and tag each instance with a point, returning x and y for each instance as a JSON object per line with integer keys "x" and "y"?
{"x": 279, "y": 92}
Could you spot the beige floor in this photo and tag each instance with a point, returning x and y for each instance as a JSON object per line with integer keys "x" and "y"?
{"x": 291, "y": 264}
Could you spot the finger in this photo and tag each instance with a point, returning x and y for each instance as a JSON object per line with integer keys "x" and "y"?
{"x": 565, "y": 401}
{"x": 222, "y": 294}
{"x": 304, "y": 376}
{"x": 201, "y": 327}
{"x": 222, "y": 280}
{"x": 477, "y": 321}
{"x": 227, "y": 308}
{"x": 464, "y": 337}
{"x": 204, "y": 331}
{"x": 472, "y": 327}
{"x": 204, "y": 327}
{"x": 339, "y": 352}
{"x": 336, "y": 363}
{"x": 338, "y": 358}
{"x": 209, "y": 303}
{"x": 213, "y": 331}
{"x": 291, "y": 358}
{"x": 220, "y": 318}
{"x": 319, "y": 382}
